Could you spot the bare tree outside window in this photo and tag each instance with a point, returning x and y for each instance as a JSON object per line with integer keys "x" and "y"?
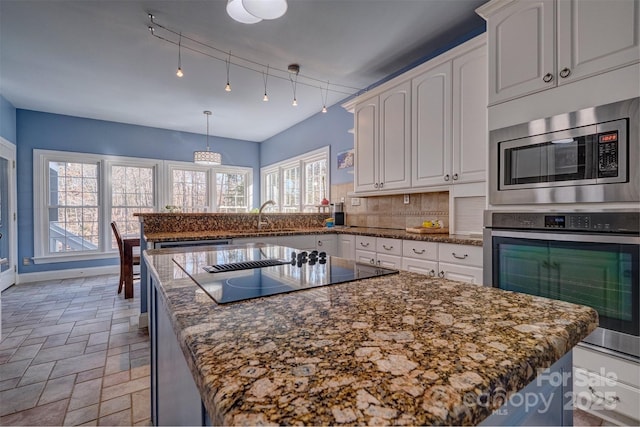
{"x": 131, "y": 192}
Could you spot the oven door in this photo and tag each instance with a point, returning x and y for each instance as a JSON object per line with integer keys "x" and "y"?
{"x": 600, "y": 271}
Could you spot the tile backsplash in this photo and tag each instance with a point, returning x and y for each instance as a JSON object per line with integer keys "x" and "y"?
{"x": 391, "y": 211}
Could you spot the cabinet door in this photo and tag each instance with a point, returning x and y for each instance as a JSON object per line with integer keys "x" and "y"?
{"x": 347, "y": 246}
{"x": 366, "y": 145}
{"x": 460, "y": 273}
{"x": 389, "y": 261}
{"x": 428, "y": 268}
{"x": 469, "y": 133}
{"x": 395, "y": 138}
{"x": 365, "y": 257}
{"x": 327, "y": 243}
{"x": 596, "y": 36}
{"x": 431, "y": 125}
{"x": 521, "y": 49}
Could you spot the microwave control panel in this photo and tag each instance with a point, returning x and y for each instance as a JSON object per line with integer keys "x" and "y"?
{"x": 624, "y": 222}
{"x": 608, "y": 154}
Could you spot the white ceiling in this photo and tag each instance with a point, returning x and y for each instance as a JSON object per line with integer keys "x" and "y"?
{"x": 97, "y": 59}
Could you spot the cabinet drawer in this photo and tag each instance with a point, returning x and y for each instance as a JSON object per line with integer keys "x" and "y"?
{"x": 365, "y": 257}
{"x": 366, "y": 243}
{"x": 460, "y": 254}
{"x": 388, "y": 246}
{"x": 460, "y": 273}
{"x": 389, "y": 261}
{"x": 420, "y": 250}
{"x": 604, "y": 364}
{"x": 601, "y": 395}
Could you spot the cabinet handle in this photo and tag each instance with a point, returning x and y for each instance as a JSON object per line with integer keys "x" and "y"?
{"x": 547, "y": 77}
{"x": 387, "y": 247}
{"x": 372, "y": 261}
{"x": 446, "y": 177}
{"x": 458, "y": 256}
{"x": 381, "y": 184}
{"x": 319, "y": 242}
{"x": 609, "y": 401}
{"x": 432, "y": 273}
{"x": 364, "y": 245}
{"x": 441, "y": 274}
{"x": 378, "y": 262}
{"x": 565, "y": 72}
{"x": 375, "y": 185}
{"x": 418, "y": 252}
{"x": 455, "y": 176}
{"x": 545, "y": 264}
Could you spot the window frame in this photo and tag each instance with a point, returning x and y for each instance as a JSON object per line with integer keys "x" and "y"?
{"x": 300, "y": 161}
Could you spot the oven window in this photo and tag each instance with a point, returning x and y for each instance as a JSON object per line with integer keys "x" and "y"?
{"x": 602, "y": 276}
{"x": 551, "y": 161}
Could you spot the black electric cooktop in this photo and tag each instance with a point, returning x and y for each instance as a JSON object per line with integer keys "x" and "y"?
{"x": 242, "y": 273}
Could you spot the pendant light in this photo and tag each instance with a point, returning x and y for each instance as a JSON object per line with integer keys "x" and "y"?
{"x": 228, "y": 86}
{"x": 265, "y": 76}
{"x": 179, "y": 73}
{"x": 208, "y": 158}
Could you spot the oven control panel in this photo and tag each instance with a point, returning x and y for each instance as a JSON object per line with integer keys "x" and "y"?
{"x": 602, "y": 222}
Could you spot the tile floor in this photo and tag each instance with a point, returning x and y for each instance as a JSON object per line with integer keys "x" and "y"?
{"x": 72, "y": 354}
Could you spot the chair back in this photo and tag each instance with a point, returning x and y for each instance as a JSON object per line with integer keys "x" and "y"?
{"x": 116, "y": 233}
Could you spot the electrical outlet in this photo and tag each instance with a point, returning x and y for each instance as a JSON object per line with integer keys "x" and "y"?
{"x": 341, "y": 199}
{"x": 406, "y": 199}
{"x": 355, "y": 201}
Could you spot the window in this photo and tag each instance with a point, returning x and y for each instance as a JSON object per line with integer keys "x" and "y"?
{"x": 189, "y": 189}
{"x": 231, "y": 191}
{"x": 298, "y": 184}
{"x": 132, "y": 191}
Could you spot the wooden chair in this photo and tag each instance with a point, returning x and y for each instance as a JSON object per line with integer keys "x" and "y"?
{"x": 123, "y": 267}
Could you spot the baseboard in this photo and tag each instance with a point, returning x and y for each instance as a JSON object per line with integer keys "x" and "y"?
{"x": 143, "y": 320}
{"x": 66, "y": 274}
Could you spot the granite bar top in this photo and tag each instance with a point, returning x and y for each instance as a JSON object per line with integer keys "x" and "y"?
{"x": 177, "y": 236}
{"x": 400, "y": 349}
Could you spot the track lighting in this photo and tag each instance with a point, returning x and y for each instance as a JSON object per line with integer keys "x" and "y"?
{"x": 265, "y": 76}
{"x": 294, "y": 70}
{"x": 228, "y": 86}
{"x": 324, "y": 94}
{"x": 179, "y": 73}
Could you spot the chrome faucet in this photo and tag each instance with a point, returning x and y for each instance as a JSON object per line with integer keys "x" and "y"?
{"x": 264, "y": 205}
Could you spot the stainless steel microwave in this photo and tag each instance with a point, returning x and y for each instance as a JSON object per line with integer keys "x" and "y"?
{"x": 591, "y": 155}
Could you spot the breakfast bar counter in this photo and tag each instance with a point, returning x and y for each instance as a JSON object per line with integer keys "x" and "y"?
{"x": 397, "y": 349}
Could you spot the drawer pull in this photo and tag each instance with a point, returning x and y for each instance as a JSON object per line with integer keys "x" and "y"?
{"x": 547, "y": 77}
{"x": 364, "y": 245}
{"x": 441, "y": 274}
{"x": 372, "y": 261}
{"x": 388, "y": 248}
{"x": 458, "y": 256}
{"x": 432, "y": 273}
{"x": 418, "y": 252}
{"x": 601, "y": 397}
{"x": 565, "y": 72}
{"x": 319, "y": 242}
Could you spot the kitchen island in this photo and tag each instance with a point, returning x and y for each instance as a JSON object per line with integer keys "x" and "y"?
{"x": 399, "y": 349}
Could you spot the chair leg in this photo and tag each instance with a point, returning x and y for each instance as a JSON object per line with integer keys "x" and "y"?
{"x": 121, "y": 281}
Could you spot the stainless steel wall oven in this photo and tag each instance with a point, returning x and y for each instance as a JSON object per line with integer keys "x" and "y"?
{"x": 586, "y": 258}
{"x": 586, "y": 156}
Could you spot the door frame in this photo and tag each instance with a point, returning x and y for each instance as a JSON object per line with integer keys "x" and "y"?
{"x": 9, "y": 277}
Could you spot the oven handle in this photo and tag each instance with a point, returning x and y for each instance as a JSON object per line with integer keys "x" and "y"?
{"x": 566, "y": 237}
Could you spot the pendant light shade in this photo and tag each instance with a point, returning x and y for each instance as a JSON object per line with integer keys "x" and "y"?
{"x": 266, "y": 9}
{"x": 208, "y": 158}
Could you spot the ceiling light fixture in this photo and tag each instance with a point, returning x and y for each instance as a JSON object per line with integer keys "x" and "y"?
{"x": 324, "y": 94}
{"x": 254, "y": 11}
{"x": 208, "y": 158}
{"x": 294, "y": 70}
{"x": 265, "y": 76}
{"x": 228, "y": 86}
{"x": 179, "y": 73}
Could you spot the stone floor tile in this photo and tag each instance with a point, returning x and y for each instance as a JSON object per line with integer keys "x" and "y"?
{"x": 121, "y": 418}
{"x": 25, "y": 352}
{"x": 117, "y": 363}
{"x": 85, "y": 394}
{"x": 112, "y": 406}
{"x": 56, "y": 329}
{"x": 60, "y": 352}
{"x": 140, "y": 361}
{"x": 32, "y": 341}
{"x": 13, "y": 369}
{"x": 146, "y": 422}
{"x": 140, "y": 371}
{"x": 79, "y": 363}
{"x": 12, "y": 342}
{"x": 36, "y": 373}
{"x": 81, "y": 416}
{"x": 79, "y": 338}
{"x": 99, "y": 338}
{"x": 46, "y": 415}
{"x": 56, "y": 340}
{"x": 126, "y": 338}
{"x": 125, "y": 388}
{"x": 20, "y": 332}
{"x": 117, "y": 350}
{"x": 10, "y": 383}
{"x": 120, "y": 328}
{"x": 94, "y": 348}
{"x": 20, "y": 398}
{"x": 90, "y": 375}
{"x": 141, "y": 405}
{"x": 90, "y": 328}
{"x": 5, "y": 355}
{"x": 117, "y": 378}
{"x": 57, "y": 389}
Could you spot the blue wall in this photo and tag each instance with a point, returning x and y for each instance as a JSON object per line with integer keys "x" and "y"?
{"x": 7, "y": 120}
{"x": 330, "y": 128}
{"x": 37, "y": 130}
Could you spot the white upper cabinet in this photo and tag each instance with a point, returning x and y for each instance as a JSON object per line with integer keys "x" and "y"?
{"x": 382, "y": 141}
{"x": 431, "y": 119}
{"x": 536, "y": 45}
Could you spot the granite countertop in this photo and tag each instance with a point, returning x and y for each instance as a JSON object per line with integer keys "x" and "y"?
{"x": 361, "y": 231}
{"x": 399, "y": 349}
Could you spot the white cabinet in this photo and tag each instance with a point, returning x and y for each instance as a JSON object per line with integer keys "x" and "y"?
{"x": 538, "y": 44}
{"x": 382, "y": 141}
{"x": 462, "y": 263}
{"x": 347, "y": 246}
{"x": 420, "y": 257}
{"x": 449, "y": 120}
{"x": 327, "y": 243}
{"x": 380, "y": 251}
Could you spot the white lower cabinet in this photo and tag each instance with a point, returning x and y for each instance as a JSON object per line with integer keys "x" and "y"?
{"x": 462, "y": 263}
{"x": 347, "y": 246}
{"x": 380, "y": 251}
{"x": 327, "y": 243}
{"x": 420, "y": 257}
{"x": 606, "y": 386}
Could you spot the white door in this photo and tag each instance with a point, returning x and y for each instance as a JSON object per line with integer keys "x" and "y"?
{"x": 8, "y": 242}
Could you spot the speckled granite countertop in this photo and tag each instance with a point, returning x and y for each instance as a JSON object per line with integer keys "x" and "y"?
{"x": 362, "y": 231}
{"x": 401, "y": 349}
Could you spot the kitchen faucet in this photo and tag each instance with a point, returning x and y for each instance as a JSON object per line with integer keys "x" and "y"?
{"x": 264, "y": 205}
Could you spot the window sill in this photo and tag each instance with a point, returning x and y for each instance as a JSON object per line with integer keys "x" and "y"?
{"x": 50, "y": 259}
